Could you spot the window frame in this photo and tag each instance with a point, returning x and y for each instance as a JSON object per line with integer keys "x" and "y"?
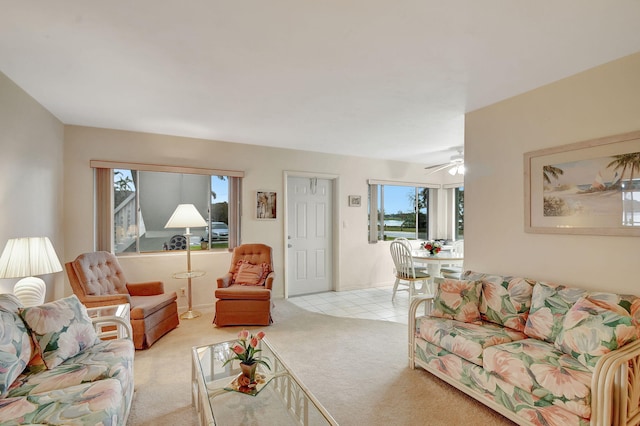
{"x": 374, "y": 201}
{"x": 103, "y": 200}
{"x": 452, "y": 209}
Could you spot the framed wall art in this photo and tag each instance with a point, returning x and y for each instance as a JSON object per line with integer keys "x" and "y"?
{"x": 266, "y": 205}
{"x": 590, "y": 187}
{"x": 355, "y": 200}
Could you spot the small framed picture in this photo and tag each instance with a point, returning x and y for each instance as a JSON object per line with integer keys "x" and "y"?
{"x": 266, "y": 205}
{"x": 354, "y": 200}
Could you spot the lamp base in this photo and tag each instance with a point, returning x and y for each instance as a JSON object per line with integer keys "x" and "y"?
{"x": 30, "y": 291}
{"x": 190, "y": 315}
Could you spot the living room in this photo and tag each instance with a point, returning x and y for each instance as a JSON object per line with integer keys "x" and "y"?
{"x": 46, "y": 186}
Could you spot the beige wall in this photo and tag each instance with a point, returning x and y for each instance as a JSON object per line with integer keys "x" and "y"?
{"x": 599, "y": 102}
{"x": 359, "y": 264}
{"x": 31, "y": 147}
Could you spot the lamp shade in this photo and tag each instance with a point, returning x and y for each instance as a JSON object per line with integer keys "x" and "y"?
{"x": 26, "y": 257}
{"x": 186, "y": 216}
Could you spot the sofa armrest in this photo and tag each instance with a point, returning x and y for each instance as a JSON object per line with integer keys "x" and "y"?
{"x": 615, "y": 388}
{"x": 225, "y": 281}
{"x": 427, "y": 301}
{"x": 105, "y": 300}
{"x": 123, "y": 327}
{"x": 151, "y": 288}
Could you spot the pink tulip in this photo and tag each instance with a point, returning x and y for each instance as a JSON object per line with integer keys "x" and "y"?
{"x": 243, "y": 335}
{"x": 238, "y": 349}
{"x": 254, "y": 342}
{"x": 260, "y": 335}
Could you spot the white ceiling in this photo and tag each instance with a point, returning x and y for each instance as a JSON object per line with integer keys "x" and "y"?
{"x": 376, "y": 78}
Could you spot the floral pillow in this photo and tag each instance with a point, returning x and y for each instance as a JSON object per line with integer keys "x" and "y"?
{"x": 458, "y": 300}
{"x": 549, "y": 305}
{"x": 505, "y": 300}
{"x": 593, "y": 328}
{"x": 250, "y": 274}
{"x": 15, "y": 349}
{"x": 61, "y": 329}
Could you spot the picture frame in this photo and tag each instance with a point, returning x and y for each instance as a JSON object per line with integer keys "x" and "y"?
{"x": 584, "y": 188}
{"x": 355, "y": 200}
{"x": 266, "y": 205}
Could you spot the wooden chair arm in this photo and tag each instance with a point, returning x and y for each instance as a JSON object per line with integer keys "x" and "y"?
{"x": 151, "y": 288}
{"x": 106, "y": 300}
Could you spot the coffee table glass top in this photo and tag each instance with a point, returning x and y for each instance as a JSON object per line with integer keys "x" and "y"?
{"x": 281, "y": 400}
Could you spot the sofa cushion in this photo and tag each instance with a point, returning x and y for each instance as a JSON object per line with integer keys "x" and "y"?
{"x": 457, "y": 299}
{"x": 464, "y": 339}
{"x": 504, "y": 300}
{"x": 96, "y": 403}
{"x": 15, "y": 349}
{"x": 108, "y": 359}
{"x": 549, "y": 304}
{"x": 61, "y": 329}
{"x": 628, "y": 302}
{"x": 593, "y": 328}
{"x": 538, "y": 368}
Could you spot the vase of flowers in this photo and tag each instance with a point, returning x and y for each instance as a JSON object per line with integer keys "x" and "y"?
{"x": 433, "y": 247}
{"x": 245, "y": 350}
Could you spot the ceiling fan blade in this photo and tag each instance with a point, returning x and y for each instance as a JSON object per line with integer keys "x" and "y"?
{"x": 437, "y": 165}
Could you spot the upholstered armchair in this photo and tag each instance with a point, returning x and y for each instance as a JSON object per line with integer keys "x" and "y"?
{"x": 244, "y": 293}
{"x": 97, "y": 279}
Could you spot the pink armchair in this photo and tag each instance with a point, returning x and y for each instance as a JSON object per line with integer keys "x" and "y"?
{"x": 246, "y": 304}
{"x": 97, "y": 279}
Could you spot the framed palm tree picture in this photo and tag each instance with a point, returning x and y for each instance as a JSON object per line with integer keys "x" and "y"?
{"x": 590, "y": 187}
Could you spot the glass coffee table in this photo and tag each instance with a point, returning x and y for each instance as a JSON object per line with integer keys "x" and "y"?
{"x": 282, "y": 399}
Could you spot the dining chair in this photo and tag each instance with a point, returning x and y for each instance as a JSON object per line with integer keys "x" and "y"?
{"x": 417, "y": 265}
{"x": 405, "y": 271}
{"x": 454, "y": 271}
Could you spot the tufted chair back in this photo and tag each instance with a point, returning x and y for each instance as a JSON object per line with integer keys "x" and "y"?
{"x": 98, "y": 274}
{"x": 252, "y": 253}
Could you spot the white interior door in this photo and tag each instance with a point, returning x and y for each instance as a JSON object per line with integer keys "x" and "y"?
{"x": 309, "y": 242}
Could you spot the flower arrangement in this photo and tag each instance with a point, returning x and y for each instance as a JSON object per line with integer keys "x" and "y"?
{"x": 433, "y": 247}
{"x": 246, "y": 348}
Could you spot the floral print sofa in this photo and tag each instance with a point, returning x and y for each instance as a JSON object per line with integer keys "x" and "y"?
{"x": 54, "y": 370}
{"x": 538, "y": 353}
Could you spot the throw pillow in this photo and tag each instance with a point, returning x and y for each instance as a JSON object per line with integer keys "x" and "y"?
{"x": 592, "y": 328}
{"x": 15, "y": 349}
{"x": 249, "y": 274}
{"x": 61, "y": 329}
{"x": 549, "y": 305}
{"x": 458, "y": 300}
{"x": 506, "y": 300}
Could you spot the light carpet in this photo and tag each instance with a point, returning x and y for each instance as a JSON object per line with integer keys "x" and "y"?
{"x": 358, "y": 369}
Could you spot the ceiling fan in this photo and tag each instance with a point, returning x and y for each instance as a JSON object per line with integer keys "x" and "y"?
{"x": 455, "y": 165}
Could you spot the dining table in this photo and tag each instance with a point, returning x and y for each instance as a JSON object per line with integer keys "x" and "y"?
{"x": 434, "y": 262}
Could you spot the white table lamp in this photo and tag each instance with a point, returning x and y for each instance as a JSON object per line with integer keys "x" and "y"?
{"x": 24, "y": 258}
{"x": 187, "y": 216}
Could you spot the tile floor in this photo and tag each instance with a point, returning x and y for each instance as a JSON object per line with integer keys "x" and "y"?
{"x": 373, "y": 303}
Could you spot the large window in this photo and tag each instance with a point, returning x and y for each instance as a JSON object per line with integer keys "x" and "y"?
{"x": 398, "y": 210}
{"x": 143, "y": 200}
